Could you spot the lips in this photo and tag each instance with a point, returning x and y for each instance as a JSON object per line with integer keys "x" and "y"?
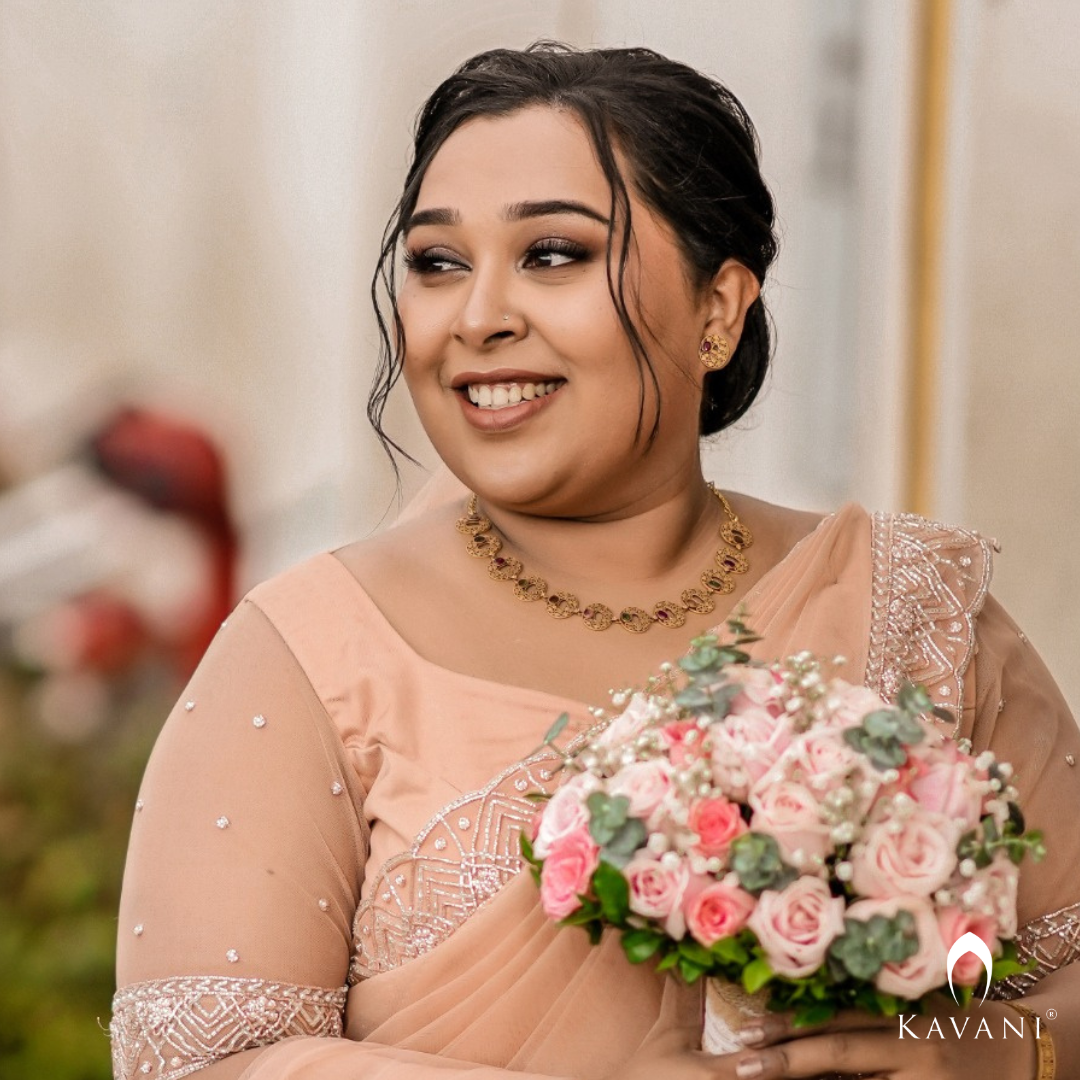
{"x": 502, "y": 399}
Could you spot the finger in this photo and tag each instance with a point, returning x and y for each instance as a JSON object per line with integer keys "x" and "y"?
{"x": 850, "y": 1051}
{"x": 779, "y": 1027}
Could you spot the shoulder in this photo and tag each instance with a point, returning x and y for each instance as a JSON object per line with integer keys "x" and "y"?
{"x": 929, "y": 582}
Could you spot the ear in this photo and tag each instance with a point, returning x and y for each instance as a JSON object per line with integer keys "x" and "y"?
{"x": 733, "y": 290}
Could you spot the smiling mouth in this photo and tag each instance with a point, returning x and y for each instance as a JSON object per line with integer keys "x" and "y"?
{"x": 505, "y": 395}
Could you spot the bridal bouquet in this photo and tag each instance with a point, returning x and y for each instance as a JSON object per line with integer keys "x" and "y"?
{"x": 786, "y": 831}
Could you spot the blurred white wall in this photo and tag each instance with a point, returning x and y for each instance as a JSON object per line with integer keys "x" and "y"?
{"x": 191, "y": 197}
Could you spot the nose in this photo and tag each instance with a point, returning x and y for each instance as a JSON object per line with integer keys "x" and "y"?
{"x": 486, "y": 315}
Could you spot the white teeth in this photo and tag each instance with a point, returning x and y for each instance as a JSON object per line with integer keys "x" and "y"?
{"x": 504, "y": 395}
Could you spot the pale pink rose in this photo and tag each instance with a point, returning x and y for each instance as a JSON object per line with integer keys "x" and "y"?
{"x": 645, "y": 783}
{"x": 853, "y": 704}
{"x": 953, "y": 925}
{"x": 916, "y": 860}
{"x": 1001, "y": 880}
{"x": 791, "y": 814}
{"x": 948, "y": 784}
{"x": 717, "y": 911}
{"x": 655, "y": 890}
{"x": 717, "y": 822}
{"x": 745, "y": 746}
{"x": 823, "y": 761}
{"x": 567, "y": 872}
{"x": 921, "y": 973}
{"x": 634, "y": 719}
{"x": 564, "y": 813}
{"x": 760, "y": 688}
{"x": 797, "y": 926}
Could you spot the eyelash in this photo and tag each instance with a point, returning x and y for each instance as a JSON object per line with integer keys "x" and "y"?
{"x": 426, "y": 262}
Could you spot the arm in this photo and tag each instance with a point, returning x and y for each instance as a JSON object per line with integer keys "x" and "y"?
{"x": 244, "y": 870}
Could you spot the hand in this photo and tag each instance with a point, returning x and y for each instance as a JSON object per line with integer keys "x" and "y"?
{"x": 856, "y": 1043}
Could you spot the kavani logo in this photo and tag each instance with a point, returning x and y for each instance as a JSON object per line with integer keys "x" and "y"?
{"x": 969, "y": 943}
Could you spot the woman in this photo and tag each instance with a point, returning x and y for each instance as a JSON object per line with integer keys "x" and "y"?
{"x": 326, "y": 841}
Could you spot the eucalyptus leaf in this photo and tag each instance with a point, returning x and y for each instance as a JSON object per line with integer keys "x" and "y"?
{"x": 556, "y": 729}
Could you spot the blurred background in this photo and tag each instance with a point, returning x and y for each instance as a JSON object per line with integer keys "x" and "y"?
{"x": 191, "y": 196}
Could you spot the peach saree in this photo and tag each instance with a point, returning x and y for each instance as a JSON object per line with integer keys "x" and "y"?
{"x": 324, "y": 883}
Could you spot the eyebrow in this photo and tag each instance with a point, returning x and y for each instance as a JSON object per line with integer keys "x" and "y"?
{"x": 519, "y": 211}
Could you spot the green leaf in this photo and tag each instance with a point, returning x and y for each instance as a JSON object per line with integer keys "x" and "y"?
{"x": 914, "y": 699}
{"x": 613, "y": 892}
{"x": 536, "y": 796}
{"x": 690, "y": 971}
{"x": 588, "y": 911}
{"x": 731, "y": 951}
{"x": 669, "y": 961}
{"x": 639, "y": 945}
{"x": 815, "y": 1012}
{"x": 527, "y": 850}
{"x": 755, "y": 975}
{"x": 695, "y": 952}
{"x": 556, "y": 729}
{"x": 692, "y": 698}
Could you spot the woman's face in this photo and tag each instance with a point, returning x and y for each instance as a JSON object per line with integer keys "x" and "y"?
{"x": 520, "y": 370}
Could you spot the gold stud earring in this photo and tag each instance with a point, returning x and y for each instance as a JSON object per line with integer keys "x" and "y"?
{"x": 714, "y": 352}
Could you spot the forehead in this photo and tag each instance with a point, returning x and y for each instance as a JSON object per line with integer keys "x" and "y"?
{"x": 536, "y": 153}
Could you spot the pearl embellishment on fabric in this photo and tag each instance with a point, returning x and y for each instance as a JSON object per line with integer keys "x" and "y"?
{"x": 188, "y": 706}
{"x": 324, "y": 905}
{"x": 337, "y": 787}
{"x": 138, "y": 930}
{"x": 139, "y": 804}
{"x": 222, "y": 822}
{"x": 1070, "y": 759}
{"x": 232, "y": 956}
{"x": 259, "y": 721}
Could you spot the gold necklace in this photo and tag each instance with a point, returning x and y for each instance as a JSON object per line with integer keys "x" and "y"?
{"x": 729, "y": 559}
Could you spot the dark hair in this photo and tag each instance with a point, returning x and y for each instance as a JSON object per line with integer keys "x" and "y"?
{"x": 693, "y": 157}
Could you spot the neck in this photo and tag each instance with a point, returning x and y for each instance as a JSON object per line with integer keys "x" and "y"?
{"x": 640, "y": 539}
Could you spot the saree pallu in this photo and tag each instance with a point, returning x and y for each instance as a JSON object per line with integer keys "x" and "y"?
{"x": 324, "y": 879}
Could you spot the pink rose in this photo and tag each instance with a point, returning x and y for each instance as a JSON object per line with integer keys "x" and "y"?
{"x": 717, "y": 822}
{"x": 791, "y": 814}
{"x": 918, "y": 974}
{"x": 954, "y": 924}
{"x": 825, "y": 762}
{"x": 637, "y": 716}
{"x": 567, "y": 872}
{"x": 564, "y": 813}
{"x": 655, "y": 890}
{"x": 948, "y": 784}
{"x": 916, "y": 859}
{"x": 684, "y": 740}
{"x": 645, "y": 783}
{"x": 760, "y": 688}
{"x": 718, "y": 911}
{"x": 853, "y": 704}
{"x": 999, "y": 883}
{"x": 797, "y": 926}
{"x": 745, "y": 746}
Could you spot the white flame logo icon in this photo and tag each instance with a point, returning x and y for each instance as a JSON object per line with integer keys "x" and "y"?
{"x": 969, "y": 943}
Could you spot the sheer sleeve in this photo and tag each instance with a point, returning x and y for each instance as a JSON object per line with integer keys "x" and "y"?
{"x": 242, "y": 881}
{"x": 244, "y": 867}
{"x": 1020, "y": 714}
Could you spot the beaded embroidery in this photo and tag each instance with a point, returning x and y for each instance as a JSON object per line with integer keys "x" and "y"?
{"x": 929, "y": 584}
{"x": 467, "y": 852}
{"x": 169, "y": 1028}
{"x": 1052, "y": 941}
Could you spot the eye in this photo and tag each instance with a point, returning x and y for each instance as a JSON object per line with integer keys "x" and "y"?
{"x": 554, "y": 253}
{"x": 432, "y": 261}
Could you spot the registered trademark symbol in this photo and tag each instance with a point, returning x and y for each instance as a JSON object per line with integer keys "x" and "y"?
{"x": 1051, "y": 1014}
